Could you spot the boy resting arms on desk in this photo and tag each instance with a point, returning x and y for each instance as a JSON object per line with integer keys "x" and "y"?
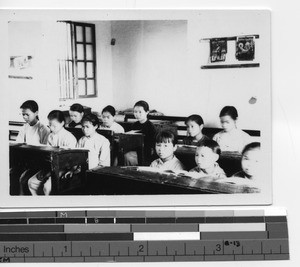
{"x": 207, "y": 154}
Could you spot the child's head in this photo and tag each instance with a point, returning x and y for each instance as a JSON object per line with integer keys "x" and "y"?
{"x": 141, "y": 110}
{"x": 165, "y": 144}
{"x": 30, "y": 110}
{"x": 194, "y": 125}
{"x": 90, "y": 124}
{"x": 207, "y": 153}
{"x": 228, "y": 117}
{"x": 56, "y": 120}
{"x": 251, "y": 159}
{"x": 108, "y": 114}
{"x": 76, "y": 112}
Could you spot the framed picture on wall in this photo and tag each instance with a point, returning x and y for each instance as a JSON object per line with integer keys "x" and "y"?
{"x": 20, "y": 67}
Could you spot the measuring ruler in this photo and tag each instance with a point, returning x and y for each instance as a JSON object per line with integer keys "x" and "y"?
{"x": 143, "y": 235}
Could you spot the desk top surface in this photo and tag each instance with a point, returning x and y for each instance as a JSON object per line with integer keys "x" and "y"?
{"x": 180, "y": 179}
{"x": 44, "y": 148}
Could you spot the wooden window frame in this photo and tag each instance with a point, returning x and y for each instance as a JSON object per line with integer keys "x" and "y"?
{"x": 74, "y": 61}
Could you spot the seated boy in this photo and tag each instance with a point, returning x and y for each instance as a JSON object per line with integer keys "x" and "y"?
{"x": 97, "y": 144}
{"x": 207, "y": 154}
{"x": 108, "y": 118}
{"x": 165, "y": 146}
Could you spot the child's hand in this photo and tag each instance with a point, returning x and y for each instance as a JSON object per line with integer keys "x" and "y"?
{"x": 69, "y": 174}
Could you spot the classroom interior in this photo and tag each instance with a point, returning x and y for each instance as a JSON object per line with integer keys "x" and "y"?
{"x": 119, "y": 62}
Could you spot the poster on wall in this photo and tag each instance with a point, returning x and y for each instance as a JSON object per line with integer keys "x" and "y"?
{"x": 245, "y": 48}
{"x": 218, "y": 50}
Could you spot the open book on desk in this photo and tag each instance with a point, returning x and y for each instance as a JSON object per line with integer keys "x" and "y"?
{"x": 134, "y": 132}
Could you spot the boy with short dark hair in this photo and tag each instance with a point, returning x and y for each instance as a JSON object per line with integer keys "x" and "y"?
{"x": 98, "y": 145}
{"x": 33, "y": 132}
{"x": 165, "y": 146}
{"x": 207, "y": 154}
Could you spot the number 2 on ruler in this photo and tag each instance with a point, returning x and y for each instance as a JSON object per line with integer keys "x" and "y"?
{"x": 141, "y": 248}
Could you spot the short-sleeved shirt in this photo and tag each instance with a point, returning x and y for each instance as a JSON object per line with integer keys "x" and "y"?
{"x": 33, "y": 135}
{"x": 217, "y": 172}
{"x": 174, "y": 164}
{"x": 99, "y": 149}
{"x": 191, "y": 142}
{"x": 148, "y": 129}
{"x": 62, "y": 139}
{"x": 115, "y": 127}
{"x": 234, "y": 140}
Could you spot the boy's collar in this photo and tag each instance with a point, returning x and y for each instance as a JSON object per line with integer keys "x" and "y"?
{"x": 161, "y": 161}
{"x": 90, "y": 136}
{"x": 215, "y": 166}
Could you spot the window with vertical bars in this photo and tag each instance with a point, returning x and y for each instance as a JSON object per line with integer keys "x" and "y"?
{"x": 77, "y": 61}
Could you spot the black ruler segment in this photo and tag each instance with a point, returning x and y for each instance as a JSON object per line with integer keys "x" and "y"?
{"x": 30, "y": 228}
{"x": 70, "y": 220}
{"x": 131, "y": 220}
{"x": 190, "y": 220}
{"x": 100, "y": 220}
{"x": 41, "y": 220}
{"x": 13, "y": 221}
{"x": 65, "y": 237}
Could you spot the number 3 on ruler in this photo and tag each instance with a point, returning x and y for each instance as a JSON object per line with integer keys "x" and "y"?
{"x": 218, "y": 247}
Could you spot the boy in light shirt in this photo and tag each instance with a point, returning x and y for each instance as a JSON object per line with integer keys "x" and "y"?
{"x": 165, "y": 146}
{"x": 33, "y": 132}
{"x": 206, "y": 157}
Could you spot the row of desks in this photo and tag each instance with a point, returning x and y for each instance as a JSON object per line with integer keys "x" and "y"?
{"x": 147, "y": 181}
{"x": 112, "y": 180}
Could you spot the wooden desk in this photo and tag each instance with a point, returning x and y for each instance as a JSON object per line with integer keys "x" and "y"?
{"x": 56, "y": 160}
{"x": 230, "y": 162}
{"x": 131, "y": 181}
{"x": 125, "y": 142}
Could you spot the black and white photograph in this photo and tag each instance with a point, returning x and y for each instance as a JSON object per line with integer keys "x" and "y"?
{"x": 123, "y": 107}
